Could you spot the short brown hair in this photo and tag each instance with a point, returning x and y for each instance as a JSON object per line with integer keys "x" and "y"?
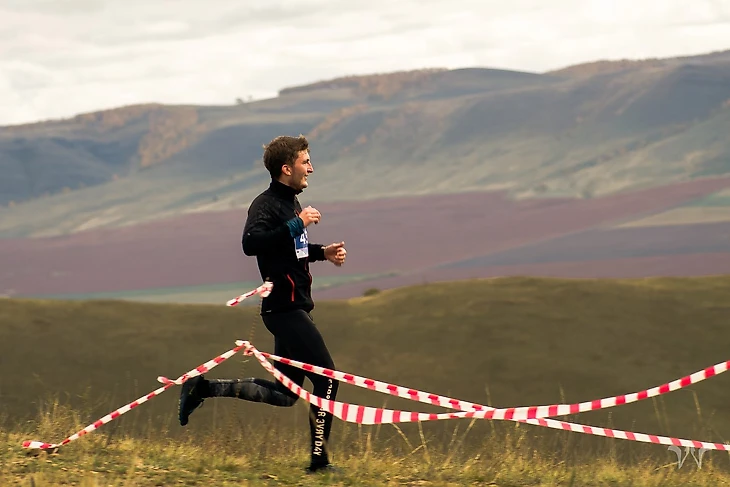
{"x": 283, "y": 149}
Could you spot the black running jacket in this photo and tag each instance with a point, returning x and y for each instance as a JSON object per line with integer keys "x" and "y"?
{"x": 275, "y": 235}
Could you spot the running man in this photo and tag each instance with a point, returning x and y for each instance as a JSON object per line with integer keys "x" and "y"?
{"x": 276, "y": 233}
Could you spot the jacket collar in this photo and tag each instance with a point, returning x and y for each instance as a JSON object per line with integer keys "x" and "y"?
{"x": 281, "y": 189}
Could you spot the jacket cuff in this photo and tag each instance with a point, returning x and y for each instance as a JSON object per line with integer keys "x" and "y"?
{"x": 316, "y": 252}
{"x": 296, "y": 226}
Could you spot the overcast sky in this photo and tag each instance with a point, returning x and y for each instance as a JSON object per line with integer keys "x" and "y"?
{"x": 63, "y": 57}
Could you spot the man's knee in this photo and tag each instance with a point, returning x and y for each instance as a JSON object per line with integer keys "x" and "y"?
{"x": 289, "y": 400}
{"x": 286, "y": 397}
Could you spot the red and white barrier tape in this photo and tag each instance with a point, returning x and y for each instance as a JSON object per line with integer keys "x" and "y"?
{"x": 514, "y": 413}
{"x": 359, "y": 414}
{"x": 264, "y": 290}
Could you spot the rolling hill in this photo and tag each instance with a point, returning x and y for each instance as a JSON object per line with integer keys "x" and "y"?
{"x": 581, "y": 132}
{"x": 608, "y": 169}
{"x": 502, "y": 342}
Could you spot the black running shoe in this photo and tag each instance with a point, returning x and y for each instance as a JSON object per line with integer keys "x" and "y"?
{"x": 191, "y": 397}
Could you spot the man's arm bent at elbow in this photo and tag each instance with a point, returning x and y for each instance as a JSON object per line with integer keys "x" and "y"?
{"x": 257, "y": 238}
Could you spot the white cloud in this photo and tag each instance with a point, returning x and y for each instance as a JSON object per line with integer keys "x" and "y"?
{"x": 59, "y": 58}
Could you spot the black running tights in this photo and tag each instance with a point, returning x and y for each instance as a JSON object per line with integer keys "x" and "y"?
{"x": 295, "y": 337}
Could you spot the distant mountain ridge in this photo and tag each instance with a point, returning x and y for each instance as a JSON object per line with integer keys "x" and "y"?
{"x": 581, "y": 132}
{"x": 596, "y": 67}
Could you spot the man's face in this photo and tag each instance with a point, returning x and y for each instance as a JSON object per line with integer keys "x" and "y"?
{"x": 296, "y": 174}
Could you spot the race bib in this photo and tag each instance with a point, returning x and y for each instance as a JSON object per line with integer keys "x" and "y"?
{"x": 301, "y": 245}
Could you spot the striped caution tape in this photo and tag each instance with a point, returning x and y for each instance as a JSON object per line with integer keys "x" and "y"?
{"x": 516, "y": 413}
{"x": 359, "y": 414}
{"x": 201, "y": 369}
{"x": 263, "y": 290}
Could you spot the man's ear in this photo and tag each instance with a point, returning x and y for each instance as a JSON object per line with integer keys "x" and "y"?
{"x": 286, "y": 169}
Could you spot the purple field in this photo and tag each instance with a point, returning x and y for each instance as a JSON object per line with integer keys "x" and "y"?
{"x": 421, "y": 238}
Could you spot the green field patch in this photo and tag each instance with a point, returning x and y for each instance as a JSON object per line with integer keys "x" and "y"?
{"x": 718, "y": 199}
{"x": 204, "y": 293}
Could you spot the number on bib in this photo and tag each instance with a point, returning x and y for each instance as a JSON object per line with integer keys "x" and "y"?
{"x": 301, "y": 245}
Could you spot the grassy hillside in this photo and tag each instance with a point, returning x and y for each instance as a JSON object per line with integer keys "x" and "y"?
{"x": 581, "y": 138}
{"x": 502, "y": 342}
{"x": 580, "y": 133}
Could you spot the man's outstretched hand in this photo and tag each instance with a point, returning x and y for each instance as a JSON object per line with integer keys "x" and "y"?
{"x": 336, "y": 253}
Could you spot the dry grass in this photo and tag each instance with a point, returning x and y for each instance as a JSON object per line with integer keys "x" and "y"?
{"x": 509, "y": 454}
